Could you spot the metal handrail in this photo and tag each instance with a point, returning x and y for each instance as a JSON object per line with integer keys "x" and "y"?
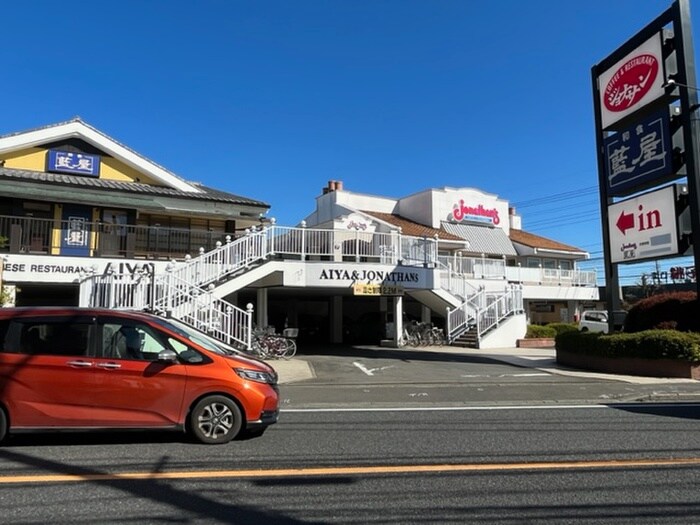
{"x": 32, "y": 235}
{"x": 483, "y": 311}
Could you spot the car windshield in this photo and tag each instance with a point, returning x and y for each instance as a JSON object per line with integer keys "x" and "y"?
{"x": 196, "y": 337}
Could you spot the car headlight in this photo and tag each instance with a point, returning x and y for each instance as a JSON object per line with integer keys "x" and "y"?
{"x": 256, "y": 375}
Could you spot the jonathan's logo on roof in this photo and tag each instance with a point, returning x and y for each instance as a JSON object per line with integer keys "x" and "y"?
{"x": 631, "y": 82}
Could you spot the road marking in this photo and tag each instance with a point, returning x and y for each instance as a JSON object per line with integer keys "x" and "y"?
{"x": 350, "y": 471}
{"x": 370, "y": 371}
{"x": 363, "y": 368}
{"x": 608, "y": 406}
{"x": 530, "y": 374}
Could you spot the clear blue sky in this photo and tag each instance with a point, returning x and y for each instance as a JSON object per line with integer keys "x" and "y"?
{"x": 271, "y": 99}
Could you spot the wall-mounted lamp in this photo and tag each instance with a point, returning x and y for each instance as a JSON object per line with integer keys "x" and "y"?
{"x": 670, "y": 82}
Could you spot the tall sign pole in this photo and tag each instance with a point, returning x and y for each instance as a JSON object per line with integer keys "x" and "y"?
{"x": 689, "y": 120}
{"x": 645, "y": 97}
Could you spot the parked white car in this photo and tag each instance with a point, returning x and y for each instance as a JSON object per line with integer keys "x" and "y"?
{"x": 594, "y": 321}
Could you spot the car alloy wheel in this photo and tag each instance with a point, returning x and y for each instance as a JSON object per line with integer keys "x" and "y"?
{"x": 215, "y": 419}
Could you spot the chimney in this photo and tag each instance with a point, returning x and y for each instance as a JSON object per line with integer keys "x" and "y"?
{"x": 339, "y": 185}
{"x": 515, "y": 221}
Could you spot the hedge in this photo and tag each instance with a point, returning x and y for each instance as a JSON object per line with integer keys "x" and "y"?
{"x": 649, "y": 344}
{"x": 672, "y": 310}
{"x": 536, "y": 331}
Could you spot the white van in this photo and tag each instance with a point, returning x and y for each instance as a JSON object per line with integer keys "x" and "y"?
{"x": 594, "y": 321}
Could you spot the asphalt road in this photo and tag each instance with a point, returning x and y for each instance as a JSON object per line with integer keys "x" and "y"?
{"x": 489, "y": 443}
{"x": 381, "y": 377}
{"x": 627, "y": 464}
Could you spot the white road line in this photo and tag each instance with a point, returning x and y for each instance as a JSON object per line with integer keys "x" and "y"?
{"x": 608, "y": 406}
{"x": 528, "y": 374}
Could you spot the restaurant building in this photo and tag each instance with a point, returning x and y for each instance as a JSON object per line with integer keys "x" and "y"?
{"x": 85, "y": 220}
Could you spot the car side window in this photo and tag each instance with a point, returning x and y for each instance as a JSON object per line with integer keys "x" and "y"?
{"x": 129, "y": 340}
{"x": 69, "y": 337}
{"x": 185, "y": 352}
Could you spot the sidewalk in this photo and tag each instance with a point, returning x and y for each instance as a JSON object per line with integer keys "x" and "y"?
{"x": 543, "y": 359}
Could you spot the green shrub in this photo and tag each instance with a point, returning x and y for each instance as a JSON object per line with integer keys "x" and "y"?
{"x": 674, "y": 310}
{"x": 536, "y": 331}
{"x": 650, "y": 344}
{"x": 560, "y": 328}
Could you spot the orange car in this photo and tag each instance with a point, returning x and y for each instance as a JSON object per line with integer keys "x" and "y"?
{"x": 91, "y": 369}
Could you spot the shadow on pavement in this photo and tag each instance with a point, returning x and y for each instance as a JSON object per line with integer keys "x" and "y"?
{"x": 450, "y": 355}
{"x": 685, "y": 410}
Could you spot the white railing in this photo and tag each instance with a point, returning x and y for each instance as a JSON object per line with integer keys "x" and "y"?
{"x": 170, "y": 297}
{"x": 551, "y": 276}
{"x": 483, "y": 311}
{"x": 225, "y": 259}
{"x": 200, "y": 309}
{"x": 484, "y": 268}
{"x": 304, "y": 243}
{"x": 118, "y": 291}
{"x": 475, "y": 267}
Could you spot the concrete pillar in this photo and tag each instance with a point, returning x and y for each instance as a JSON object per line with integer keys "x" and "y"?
{"x": 398, "y": 318}
{"x": 425, "y": 314}
{"x": 261, "y": 308}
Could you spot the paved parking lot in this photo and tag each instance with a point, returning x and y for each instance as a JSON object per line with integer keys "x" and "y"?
{"x": 321, "y": 363}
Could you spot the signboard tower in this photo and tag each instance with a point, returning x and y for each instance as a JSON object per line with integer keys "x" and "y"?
{"x": 645, "y": 100}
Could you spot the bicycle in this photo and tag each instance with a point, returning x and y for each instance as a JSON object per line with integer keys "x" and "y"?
{"x": 266, "y": 344}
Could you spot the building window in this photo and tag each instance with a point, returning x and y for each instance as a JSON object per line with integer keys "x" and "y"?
{"x": 533, "y": 262}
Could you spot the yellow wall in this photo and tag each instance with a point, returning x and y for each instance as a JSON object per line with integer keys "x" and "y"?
{"x": 34, "y": 159}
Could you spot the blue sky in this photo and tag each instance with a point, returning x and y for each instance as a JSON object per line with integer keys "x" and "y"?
{"x": 272, "y": 99}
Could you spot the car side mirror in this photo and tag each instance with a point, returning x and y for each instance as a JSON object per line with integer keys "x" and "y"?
{"x": 167, "y": 356}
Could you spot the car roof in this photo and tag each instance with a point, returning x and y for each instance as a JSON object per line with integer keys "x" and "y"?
{"x": 26, "y": 311}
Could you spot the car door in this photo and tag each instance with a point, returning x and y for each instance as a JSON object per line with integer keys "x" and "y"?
{"x": 46, "y": 371}
{"x": 131, "y": 388}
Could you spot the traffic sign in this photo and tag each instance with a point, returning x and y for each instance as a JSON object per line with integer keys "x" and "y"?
{"x": 644, "y": 227}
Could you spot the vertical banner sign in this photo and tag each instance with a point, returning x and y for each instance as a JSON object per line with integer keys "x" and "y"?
{"x": 639, "y": 154}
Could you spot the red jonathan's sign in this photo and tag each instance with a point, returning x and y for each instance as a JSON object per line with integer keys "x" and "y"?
{"x": 631, "y": 82}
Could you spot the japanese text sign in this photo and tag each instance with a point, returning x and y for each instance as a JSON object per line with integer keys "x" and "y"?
{"x": 632, "y": 83}
{"x": 78, "y": 163}
{"x": 638, "y": 155}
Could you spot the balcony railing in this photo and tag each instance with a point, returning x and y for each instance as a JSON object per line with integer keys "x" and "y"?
{"x": 485, "y": 268}
{"x": 31, "y": 235}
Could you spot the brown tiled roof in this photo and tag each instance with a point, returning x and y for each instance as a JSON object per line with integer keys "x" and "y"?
{"x": 409, "y": 227}
{"x": 535, "y": 241}
{"x": 207, "y": 194}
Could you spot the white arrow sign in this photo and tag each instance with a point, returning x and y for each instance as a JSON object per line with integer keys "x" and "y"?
{"x": 644, "y": 227}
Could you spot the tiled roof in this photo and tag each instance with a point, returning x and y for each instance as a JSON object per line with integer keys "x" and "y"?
{"x": 409, "y": 227}
{"x": 80, "y": 121}
{"x": 207, "y": 194}
{"x": 535, "y": 241}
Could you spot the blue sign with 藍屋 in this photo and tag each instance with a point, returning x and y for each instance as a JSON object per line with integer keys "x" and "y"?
{"x": 639, "y": 155}
{"x": 77, "y": 163}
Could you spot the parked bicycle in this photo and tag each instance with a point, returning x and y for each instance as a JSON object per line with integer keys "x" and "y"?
{"x": 266, "y": 344}
{"x": 421, "y": 334}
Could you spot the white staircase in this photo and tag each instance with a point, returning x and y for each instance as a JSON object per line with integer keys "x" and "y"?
{"x": 185, "y": 291}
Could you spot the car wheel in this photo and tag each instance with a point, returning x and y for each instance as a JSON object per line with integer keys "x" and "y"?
{"x": 215, "y": 419}
{"x": 3, "y": 424}
{"x": 584, "y": 329}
